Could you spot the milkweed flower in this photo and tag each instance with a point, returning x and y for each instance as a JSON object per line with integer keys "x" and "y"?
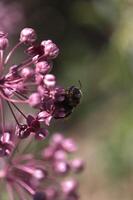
{"x": 32, "y": 84}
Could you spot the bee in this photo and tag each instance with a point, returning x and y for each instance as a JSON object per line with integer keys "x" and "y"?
{"x": 73, "y": 96}
{"x": 71, "y": 100}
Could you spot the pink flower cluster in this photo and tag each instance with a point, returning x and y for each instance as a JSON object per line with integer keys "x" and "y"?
{"x": 44, "y": 177}
{"x": 32, "y": 84}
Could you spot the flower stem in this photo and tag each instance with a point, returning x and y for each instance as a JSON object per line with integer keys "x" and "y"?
{"x": 11, "y": 52}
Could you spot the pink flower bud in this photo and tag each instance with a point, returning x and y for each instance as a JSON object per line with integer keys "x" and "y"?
{"x": 41, "y": 134}
{"x": 49, "y": 80}
{"x": 69, "y": 186}
{"x": 48, "y": 153}
{"x": 50, "y": 49}
{"x": 43, "y": 67}
{"x": 56, "y": 139}
{"x": 60, "y": 155}
{"x": 34, "y": 99}
{"x": 27, "y": 73}
{"x": 28, "y": 35}
{"x": 69, "y": 145}
{"x": 51, "y": 193}
{"x": 39, "y": 174}
{"x": 61, "y": 167}
{"x": 6, "y": 137}
{"x": 77, "y": 165}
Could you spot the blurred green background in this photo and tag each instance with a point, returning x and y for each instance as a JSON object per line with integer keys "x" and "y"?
{"x": 96, "y": 42}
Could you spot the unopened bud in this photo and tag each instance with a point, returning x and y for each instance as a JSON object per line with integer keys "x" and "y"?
{"x": 69, "y": 145}
{"x": 51, "y": 193}
{"x": 51, "y": 50}
{"x": 27, "y": 73}
{"x": 49, "y": 80}
{"x": 43, "y": 67}
{"x": 28, "y": 35}
{"x": 61, "y": 167}
{"x": 77, "y": 165}
{"x": 69, "y": 186}
{"x": 41, "y": 134}
{"x": 56, "y": 140}
{"x": 3, "y": 43}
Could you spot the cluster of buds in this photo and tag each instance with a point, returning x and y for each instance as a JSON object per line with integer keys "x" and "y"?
{"x": 44, "y": 177}
{"x": 31, "y": 83}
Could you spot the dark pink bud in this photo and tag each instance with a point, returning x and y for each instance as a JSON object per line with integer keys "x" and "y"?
{"x": 23, "y": 131}
{"x": 28, "y": 35}
{"x": 34, "y": 99}
{"x": 69, "y": 186}
{"x": 33, "y": 123}
{"x": 50, "y": 49}
{"x": 49, "y": 80}
{"x": 35, "y": 51}
{"x": 43, "y": 67}
{"x": 41, "y": 134}
{"x": 3, "y": 43}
